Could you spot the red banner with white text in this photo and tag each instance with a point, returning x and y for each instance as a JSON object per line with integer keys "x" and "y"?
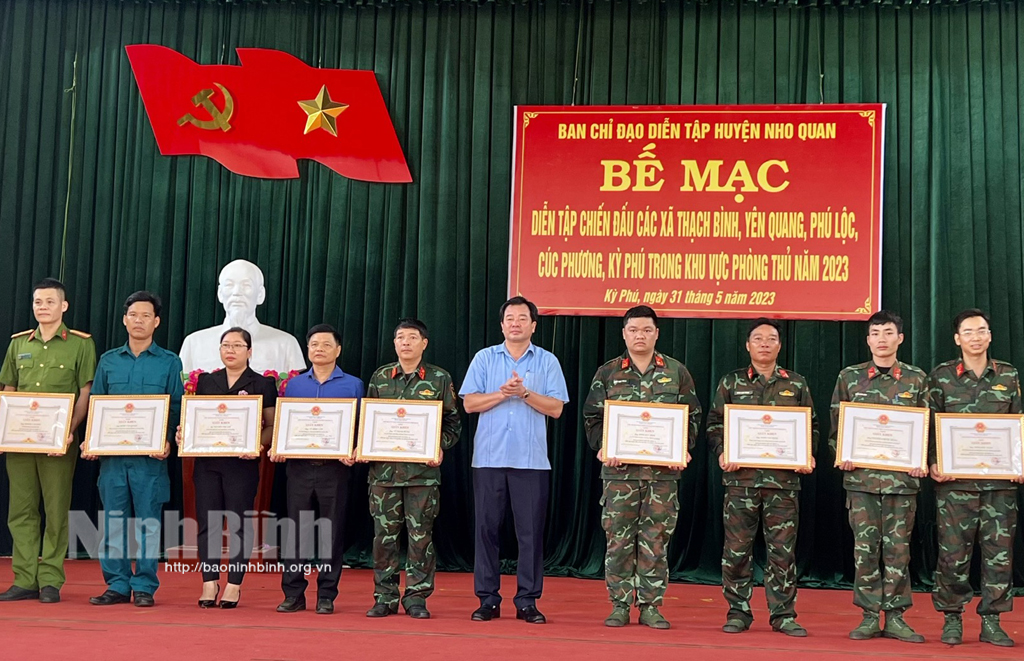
{"x": 699, "y": 211}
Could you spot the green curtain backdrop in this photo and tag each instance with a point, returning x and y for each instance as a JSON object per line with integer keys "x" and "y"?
{"x": 84, "y": 194}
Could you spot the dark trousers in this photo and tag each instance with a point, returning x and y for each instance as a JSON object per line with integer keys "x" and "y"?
{"x": 225, "y": 486}
{"x": 493, "y": 489}
{"x": 325, "y": 483}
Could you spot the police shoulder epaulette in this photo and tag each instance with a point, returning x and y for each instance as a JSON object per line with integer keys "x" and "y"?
{"x": 24, "y": 332}
{"x": 79, "y": 333}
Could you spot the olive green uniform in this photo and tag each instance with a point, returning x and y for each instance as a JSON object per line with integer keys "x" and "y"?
{"x": 65, "y": 363}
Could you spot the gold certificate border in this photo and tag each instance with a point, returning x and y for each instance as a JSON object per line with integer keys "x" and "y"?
{"x": 843, "y": 406}
{"x": 685, "y": 408}
{"x": 87, "y": 445}
{"x": 806, "y": 410}
{"x": 68, "y": 397}
{"x": 283, "y": 401}
{"x": 436, "y": 404}
{"x": 224, "y": 398}
{"x": 977, "y": 416}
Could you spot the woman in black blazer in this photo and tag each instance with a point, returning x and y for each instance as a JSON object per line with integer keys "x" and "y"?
{"x": 228, "y": 484}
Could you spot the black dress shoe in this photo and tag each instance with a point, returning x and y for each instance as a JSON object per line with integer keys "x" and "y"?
{"x": 291, "y": 605}
{"x": 109, "y": 598}
{"x": 210, "y": 603}
{"x": 486, "y": 613}
{"x": 49, "y": 595}
{"x": 324, "y": 606}
{"x": 14, "y": 593}
{"x": 144, "y": 600}
{"x": 531, "y": 615}
{"x": 418, "y": 612}
{"x": 381, "y": 610}
{"x": 231, "y": 604}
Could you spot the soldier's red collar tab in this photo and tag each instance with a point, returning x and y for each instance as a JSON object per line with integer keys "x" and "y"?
{"x": 896, "y": 372}
{"x": 872, "y": 371}
{"x": 624, "y": 365}
{"x": 659, "y": 361}
{"x": 750, "y": 373}
{"x": 422, "y": 371}
{"x": 64, "y": 334}
{"x": 32, "y": 335}
{"x": 783, "y": 373}
{"x": 394, "y": 371}
{"x": 960, "y": 369}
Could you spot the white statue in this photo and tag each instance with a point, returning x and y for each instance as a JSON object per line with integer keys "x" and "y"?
{"x": 240, "y": 289}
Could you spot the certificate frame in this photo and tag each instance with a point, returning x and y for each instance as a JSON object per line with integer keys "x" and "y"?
{"x": 369, "y": 412}
{"x": 344, "y": 408}
{"x": 156, "y": 440}
{"x": 191, "y": 405}
{"x": 850, "y": 412}
{"x": 1013, "y": 423}
{"x": 63, "y": 405}
{"x": 678, "y": 414}
{"x": 735, "y": 414}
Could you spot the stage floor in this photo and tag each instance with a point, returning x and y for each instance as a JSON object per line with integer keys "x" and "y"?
{"x": 177, "y": 629}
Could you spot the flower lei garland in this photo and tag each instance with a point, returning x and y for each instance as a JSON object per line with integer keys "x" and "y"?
{"x": 191, "y": 380}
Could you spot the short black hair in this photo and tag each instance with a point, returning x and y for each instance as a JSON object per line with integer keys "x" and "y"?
{"x": 967, "y": 314}
{"x": 519, "y": 300}
{"x": 640, "y": 312}
{"x": 144, "y": 297}
{"x": 51, "y": 283}
{"x": 883, "y": 317}
{"x": 241, "y": 331}
{"x": 764, "y": 321}
{"x": 412, "y": 324}
{"x": 323, "y": 328}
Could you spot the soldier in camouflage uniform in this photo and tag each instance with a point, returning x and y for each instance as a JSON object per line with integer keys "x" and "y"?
{"x": 756, "y": 496}
{"x": 640, "y": 503}
{"x": 408, "y": 493}
{"x": 974, "y": 510}
{"x": 882, "y": 504}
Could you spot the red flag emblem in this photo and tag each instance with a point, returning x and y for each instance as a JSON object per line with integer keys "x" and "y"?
{"x": 257, "y": 119}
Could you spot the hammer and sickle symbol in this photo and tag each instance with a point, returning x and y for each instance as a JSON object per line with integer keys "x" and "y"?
{"x": 220, "y": 118}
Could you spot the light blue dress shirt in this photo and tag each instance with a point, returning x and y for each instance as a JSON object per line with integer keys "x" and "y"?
{"x": 513, "y": 434}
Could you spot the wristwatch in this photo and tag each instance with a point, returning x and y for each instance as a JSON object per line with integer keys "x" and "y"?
{"x": 526, "y": 395}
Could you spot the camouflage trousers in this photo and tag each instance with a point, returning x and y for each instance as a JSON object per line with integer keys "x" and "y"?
{"x": 638, "y": 518}
{"x": 990, "y": 518}
{"x": 881, "y": 525}
{"x": 415, "y": 508}
{"x": 776, "y": 512}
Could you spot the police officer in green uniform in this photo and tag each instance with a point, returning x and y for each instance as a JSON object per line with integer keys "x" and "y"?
{"x": 408, "y": 494}
{"x": 640, "y": 504}
{"x": 757, "y": 497}
{"x": 49, "y": 359}
{"x": 882, "y": 504}
{"x": 969, "y": 511}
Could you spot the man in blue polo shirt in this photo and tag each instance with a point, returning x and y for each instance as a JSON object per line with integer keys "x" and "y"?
{"x": 138, "y": 483}
{"x": 514, "y": 386}
{"x": 323, "y": 481}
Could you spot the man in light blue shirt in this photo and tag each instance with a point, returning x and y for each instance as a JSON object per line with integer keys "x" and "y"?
{"x": 514, "y": 386}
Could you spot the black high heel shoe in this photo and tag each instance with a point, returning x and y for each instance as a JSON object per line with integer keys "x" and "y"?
{"x": 210, "y": 603}
{"x": 231, "y": 604}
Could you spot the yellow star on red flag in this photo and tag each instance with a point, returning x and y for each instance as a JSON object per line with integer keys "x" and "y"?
{"x": 322, "y": 112}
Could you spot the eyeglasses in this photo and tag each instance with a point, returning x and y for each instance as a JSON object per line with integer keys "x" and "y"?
{"x": 981, "y": 332}
{"x": 641, "y": 331}
{"x": 234, "y": 347}
{"x": 758, "y": 339}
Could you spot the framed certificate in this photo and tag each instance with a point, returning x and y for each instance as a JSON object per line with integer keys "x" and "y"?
{"x": 768, "y": 436}
{"x": 35, "y": 422}
{"x": 215, "y": 426}
{"x": 127, "y": 425}
{"x": 399, "y": 430}
{"x": 980, "y": 446}
{"x": 314, "y": 428}
{"x": 646, "y": 433}
{"x": 892, "y": 438}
